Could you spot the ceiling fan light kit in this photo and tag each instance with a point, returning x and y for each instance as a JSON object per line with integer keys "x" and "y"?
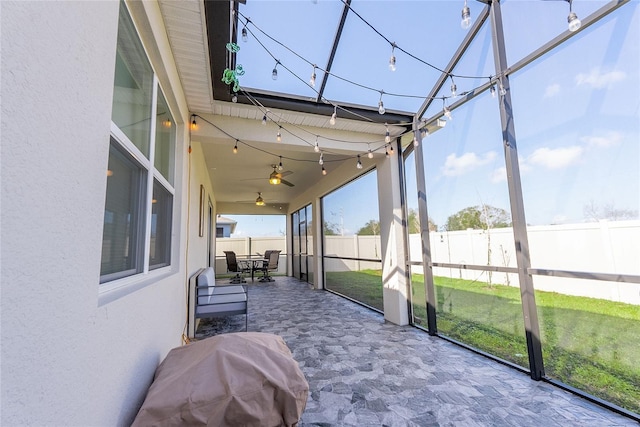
{"x": 275, "y": 177}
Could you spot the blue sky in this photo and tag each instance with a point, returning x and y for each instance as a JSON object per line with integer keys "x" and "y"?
{"x": 577, "y": 109}
{"x": 259, "y": 225}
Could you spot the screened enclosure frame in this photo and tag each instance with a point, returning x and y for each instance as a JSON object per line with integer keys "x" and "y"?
{"x": 221, "y": 21}
{"x": 524, "y": 269}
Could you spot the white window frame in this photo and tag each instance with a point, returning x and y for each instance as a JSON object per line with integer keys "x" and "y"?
{"x": 113, "y": 289}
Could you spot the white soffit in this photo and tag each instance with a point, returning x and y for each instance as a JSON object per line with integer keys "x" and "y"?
{"x": 186, "y": 29}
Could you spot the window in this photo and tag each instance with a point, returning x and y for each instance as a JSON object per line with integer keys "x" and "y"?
{"x": 160, "y": 241}
{"x": 122, "y": 216}
{"x": 139, "y": 200}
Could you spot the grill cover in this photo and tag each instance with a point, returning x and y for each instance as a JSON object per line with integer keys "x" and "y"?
{"x": 239, "y": 379}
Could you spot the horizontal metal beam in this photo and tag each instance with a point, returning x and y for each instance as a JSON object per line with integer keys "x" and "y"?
{"x": 352, "y": 259}
{"x": 552, "y": 44}
{"x": 462, "y": 48}
{"x": 277, "y": 101}
{"x": 476, "y": 267}
{"x": 607, "y": 277}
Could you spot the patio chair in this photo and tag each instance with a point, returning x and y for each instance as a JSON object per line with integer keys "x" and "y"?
{"x": 233, "y": 266}
{"x": 270, "y": 264}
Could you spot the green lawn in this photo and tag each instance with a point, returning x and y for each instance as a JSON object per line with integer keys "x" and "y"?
{"x": 588, "y": 343}
{"x": 364, "y": 286}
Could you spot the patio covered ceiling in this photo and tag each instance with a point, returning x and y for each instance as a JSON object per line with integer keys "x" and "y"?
{"x": 347, "y": 44}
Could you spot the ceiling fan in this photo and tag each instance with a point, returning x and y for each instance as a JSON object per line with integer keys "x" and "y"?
{"x": 259, "y": 201}
{"x": 275, "y": 177}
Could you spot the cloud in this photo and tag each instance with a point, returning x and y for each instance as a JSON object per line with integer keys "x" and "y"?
{"x": 600, "y": 80}
{"x": 524, "y": 165}
{"x": 555, "y": 158}
{"x": 603, "y": 141}
{"x": 551, "y": 90}
{"x": 498, "y": 175}
{"x": 455, "y": 165}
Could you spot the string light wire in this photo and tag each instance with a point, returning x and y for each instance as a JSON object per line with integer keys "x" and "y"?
{"x": 313, "y": 64}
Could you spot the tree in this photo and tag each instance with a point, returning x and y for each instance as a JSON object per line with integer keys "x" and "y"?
{"x": 414, "y": 222}
{"x": 483, "y": 217}
{"x": 594, "y": 212}
{"x": 371, "y": 228}
{"x": 330, "y": 229}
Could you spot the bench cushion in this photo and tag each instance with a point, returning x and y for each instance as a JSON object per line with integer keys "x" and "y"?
{"x": 206, "y": 278}
{"x": 229, "y": 289}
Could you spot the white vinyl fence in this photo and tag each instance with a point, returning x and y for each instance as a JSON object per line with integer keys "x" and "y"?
{"x": 600, "y": 247}
{"x": 250, "y": 246}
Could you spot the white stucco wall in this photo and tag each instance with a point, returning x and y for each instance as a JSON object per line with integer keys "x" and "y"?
{"x": 67, "y": 358}
{"x": 199, "y": 175}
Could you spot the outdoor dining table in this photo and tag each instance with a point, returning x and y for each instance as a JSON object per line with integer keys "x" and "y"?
{"x": 252, "y": 263}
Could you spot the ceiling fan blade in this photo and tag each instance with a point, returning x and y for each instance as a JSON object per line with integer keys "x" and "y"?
{"x": 249, "y": 179}
{"x": 285, "y": 173}
{"x": 286, "y": 183}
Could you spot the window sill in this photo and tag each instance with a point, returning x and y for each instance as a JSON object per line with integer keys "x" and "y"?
{"x": 111, "y": 291}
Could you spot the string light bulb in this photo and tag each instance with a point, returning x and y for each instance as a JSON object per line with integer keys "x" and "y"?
{"x": 369, "y": 154}
{"x": 274, "y": 73}
{"x": 381, "y": 109}
{"x": 454, "y": 88}
{"x": 234, "y": 98}
{"x": 312, "y": 80}
{"x": 166, "y": 123}
{"x": 280, "y": 167}
{"x": 316, "y": 147}
{"x": 572, "y": 19}
{"x": 392, "y": 59}
{"x": 466, "y": 17}
{"x": 359, "y": 163}
{"x": 235, "y": 148}
{"x": 264, "y": 119}
{"x": 447, "y": 113}
{"x": 194, "y": 125}
{"x": 332, "y": 120}
{"x": 279, "y": 135}
{"x": 502, "y": 90}
{"x": 391, "y": 152}
{"x": 321, "y": 160}
{"x": 574, "y": 22}
{"x": 324, "y": 171}
{"x": 492, "y": 88}
{"x": 244, "y": 34}
{"x": 387, "y": 137}
{"x": 386, "y": 151}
